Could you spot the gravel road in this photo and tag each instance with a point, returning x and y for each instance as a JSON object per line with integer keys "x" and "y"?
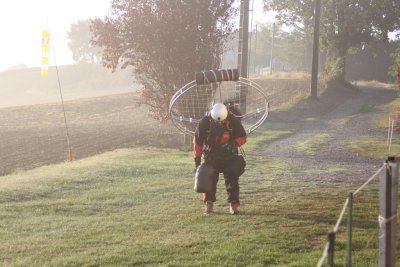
{"x": 342, "y": 117}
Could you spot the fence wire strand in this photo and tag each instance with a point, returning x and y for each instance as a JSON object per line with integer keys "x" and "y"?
{"x": 369, "y": 180}
{"x": 324, "y": 255}
{"x": 336, "y": 228}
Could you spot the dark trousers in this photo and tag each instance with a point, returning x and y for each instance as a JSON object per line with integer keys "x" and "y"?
{"x": 231, "y": 185}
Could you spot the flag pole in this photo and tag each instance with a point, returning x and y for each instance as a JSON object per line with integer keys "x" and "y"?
{"x": 70, "y": 155}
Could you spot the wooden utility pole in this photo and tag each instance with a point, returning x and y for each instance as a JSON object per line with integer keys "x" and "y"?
{"x": 243, "y": 39}
{"x": 272, "y": 49}
{"x": 315, "y": 57}
{"x": 243, "y": 52}
{"x": 255, "y": 51}
{"x": 251, "y": 11}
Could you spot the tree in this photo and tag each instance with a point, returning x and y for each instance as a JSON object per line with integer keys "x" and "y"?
{"x": 165, "y": 42}
{"x": 393, "y": 70}
{"x": 345, "y": 24}
{"x": 290, "y": 48}
{"x": 79, "y": 43}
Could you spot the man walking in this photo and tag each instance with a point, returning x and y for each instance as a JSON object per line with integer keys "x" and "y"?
{"x": 218, "y": 137}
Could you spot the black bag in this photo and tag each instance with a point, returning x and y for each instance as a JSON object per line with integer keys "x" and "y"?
{"x": 236, "y": 165}
{"x": 203, "y": 180}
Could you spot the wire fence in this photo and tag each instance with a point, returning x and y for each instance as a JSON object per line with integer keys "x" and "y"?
{"x": 382, "y": 220}
{"x": 345, "y": 205}
{"x": 327, "y": 253}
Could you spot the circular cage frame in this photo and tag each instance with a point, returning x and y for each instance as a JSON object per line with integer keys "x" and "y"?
{"x": 175, "y": 118}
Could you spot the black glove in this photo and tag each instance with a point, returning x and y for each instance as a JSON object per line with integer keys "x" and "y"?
{"x": 197, "y": 163}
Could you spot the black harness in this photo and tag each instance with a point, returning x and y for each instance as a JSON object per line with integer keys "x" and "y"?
{"x": 215, "y": 153}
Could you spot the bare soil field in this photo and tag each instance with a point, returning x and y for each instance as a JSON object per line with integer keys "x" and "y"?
{"x": 35, "y": 135}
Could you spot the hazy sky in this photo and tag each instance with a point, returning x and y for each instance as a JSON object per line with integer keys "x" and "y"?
{"x": 22, "y": 22}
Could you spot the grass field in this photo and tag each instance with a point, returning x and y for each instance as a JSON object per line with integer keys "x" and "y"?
{"x": 137, "y": 207}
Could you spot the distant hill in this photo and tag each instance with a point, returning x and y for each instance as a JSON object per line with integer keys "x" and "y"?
{"x": 26, "y": 86}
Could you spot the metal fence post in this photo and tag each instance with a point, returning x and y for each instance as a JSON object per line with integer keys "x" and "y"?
{"x": 349, "y": 229}
{"x": 393, "y": 163}
{"x": 331, "y": 248}
{"x": 388, "y": 213}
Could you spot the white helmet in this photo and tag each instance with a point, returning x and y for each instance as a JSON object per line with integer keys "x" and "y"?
{"x": 219, "y": 112}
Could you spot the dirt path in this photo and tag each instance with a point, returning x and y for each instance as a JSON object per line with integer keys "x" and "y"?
{"x": 347, "y": 119}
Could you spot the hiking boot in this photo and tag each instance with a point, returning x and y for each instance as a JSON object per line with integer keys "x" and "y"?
{"x": 233, "y": 208}
{"x": 208, "y": 207}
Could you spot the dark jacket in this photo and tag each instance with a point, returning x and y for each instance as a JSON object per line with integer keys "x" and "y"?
{"x": 213, "y": 138}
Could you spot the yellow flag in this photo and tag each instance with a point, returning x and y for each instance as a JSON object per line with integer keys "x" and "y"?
{"x": 45, "y": 53}
{"x": 44, "y": 72}
{"x": 45, "y": 48}
{"x": 45, "y": 60}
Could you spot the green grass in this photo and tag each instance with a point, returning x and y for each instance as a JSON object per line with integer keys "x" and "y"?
{"x": 379, "y": 148}
{"x": 138, "y": 207}
{"x": 270, "y": 132}
{"x": 375, "y": 147}
{"x": 393, "y": 110}
{"x": 292, "y": 102}
{"x": 365, "y": 108}
{"x": 311, "y": 145}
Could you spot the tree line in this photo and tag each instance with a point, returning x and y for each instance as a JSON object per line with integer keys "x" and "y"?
{"x": 165, "y": 42}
